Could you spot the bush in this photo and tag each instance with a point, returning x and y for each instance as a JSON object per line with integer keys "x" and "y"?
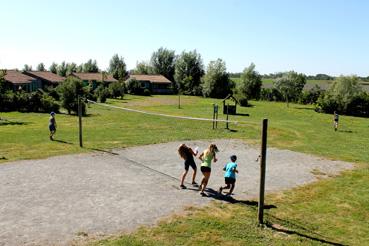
{"x": 28, "y": 102}
{"x": 311, "y": 96}
{"x": 146, "y": 92}
{"x": 134, "y": 87}
{"x": 69, "y": 90}
{"x": 117, "y": 89}
{"x": 271, "y": 94}
{"x": 102, "y": 93}
{"x": 49, "y": 104}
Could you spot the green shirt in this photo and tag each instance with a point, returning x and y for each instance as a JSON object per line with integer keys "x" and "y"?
{"x": 207, "y": 160}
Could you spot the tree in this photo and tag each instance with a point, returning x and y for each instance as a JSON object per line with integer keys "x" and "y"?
{"x": 250, "y": 85}
{"x": 143, "y": 68}
{"x": 62, "y": 69}
{"x": 69, "y": 91}
{"x": 189, "y": 69}
{"x": 290, "y": 85}
{"x": 70, "y": 68}
{"x": 340, "y": 94}
{"x": 41, "y": 67}
{"x": 117, "y": 67}
{"x": 54, "y": 68}
{"x": 79, "y": 68}
{"x": 216, "y": 82}
{"x": 27, "y": 68}
{"x": 90, "y": 67}
{"x": 163, "y": 62}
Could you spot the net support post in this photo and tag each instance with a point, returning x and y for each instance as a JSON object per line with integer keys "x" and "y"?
{"x": 216, "y": 116}
{"x": 227, "y": 123}
{"x": 213, "y": 116}
{"x": 262, "y": 171}
{"x": 80, "y": 121}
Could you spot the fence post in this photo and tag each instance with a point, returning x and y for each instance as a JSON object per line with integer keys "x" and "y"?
{"x": 80, "y": 121}
{"x": 262, "y": 171}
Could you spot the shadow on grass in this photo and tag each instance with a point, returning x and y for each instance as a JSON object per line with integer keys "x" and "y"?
{"x": 241, "y": 114}
{"x": 306, "y": 108}
{"x": 346, "y": 131}
{"x": 314, "y": 236}
{"x": 62, "y": 141}
{"x": 12, "y": 123}
{"x": 3, "y": 158}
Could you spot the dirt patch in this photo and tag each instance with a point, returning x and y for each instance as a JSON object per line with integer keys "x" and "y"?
{"x": 60, "y": 199}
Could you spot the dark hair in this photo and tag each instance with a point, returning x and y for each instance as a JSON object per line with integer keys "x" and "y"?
{"x": 233, "y": 158}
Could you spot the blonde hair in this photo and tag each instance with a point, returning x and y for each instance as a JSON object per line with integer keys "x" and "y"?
{"x": 211, "y": 150}
{"x": 181, "y": 151}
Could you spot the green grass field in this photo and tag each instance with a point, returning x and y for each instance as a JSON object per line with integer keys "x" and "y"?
{"x": 333, "y": 210}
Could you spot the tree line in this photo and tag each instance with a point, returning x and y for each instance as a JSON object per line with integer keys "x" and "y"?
{"x": 189, "y": 76}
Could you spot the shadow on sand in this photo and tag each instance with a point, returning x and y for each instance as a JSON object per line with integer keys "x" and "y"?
{"x": 104, "y": 151}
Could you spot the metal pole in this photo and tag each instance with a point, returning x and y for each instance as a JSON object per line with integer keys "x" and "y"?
{"x": 262, "y": 171}
{"x": 80, "y": 121}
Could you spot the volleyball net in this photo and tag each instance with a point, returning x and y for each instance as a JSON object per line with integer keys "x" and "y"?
{"x": 117, "y": 123}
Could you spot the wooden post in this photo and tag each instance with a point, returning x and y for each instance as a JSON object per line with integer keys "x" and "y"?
{"x": 213, "y": 116}
{"x": 216, "y": 116}
{"x": 262, "y": 171}
{"x": 227, "y": 126}
{"x": 179, "y": 101}
{"x": 80, "y": 121}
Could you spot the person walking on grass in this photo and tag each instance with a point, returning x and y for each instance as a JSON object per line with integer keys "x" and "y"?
{"x": 52, "y": 125}
{"x": 207, "y": 157}
{"x": 187, "y": 154}
{"x": 230, "y": 175}
{"x": 335, "y": 120}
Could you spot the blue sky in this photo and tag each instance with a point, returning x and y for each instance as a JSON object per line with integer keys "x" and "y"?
{"x": 327, "y": 36}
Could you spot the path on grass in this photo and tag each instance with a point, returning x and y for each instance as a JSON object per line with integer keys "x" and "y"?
{"x": 56, "y": 200}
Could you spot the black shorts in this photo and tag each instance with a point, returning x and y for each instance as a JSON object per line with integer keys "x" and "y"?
{"x": 229, "y": 180}
{"x": 189, "y": 163}
{"x": 52, "y": 128}
{"x": 205, "y": 169}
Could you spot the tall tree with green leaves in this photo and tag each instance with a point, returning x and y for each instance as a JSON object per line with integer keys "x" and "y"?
{"x": 41, "y": 67}
{"x": 163, "y": 62}
{"x": 250, "y": 84}
{"x": 27, "y": 68}
{"x": 290, "y": 85}
{"x": 189, "y": 69}
{"x": 340, "y": 94}
{"x": 117, "y": 67}
{"x": 71, "y": 68}
{"x": 62, "y": 69}
{"x": 53, "y": 68}
{"x": 143, "y": 68}
{"x": 69, "y": 91}
{"x": 216, "y": 82}
{"x": 90, "y": 67}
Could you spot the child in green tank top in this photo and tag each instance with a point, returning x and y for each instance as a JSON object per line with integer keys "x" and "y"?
{"x": 207, "y": 157}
